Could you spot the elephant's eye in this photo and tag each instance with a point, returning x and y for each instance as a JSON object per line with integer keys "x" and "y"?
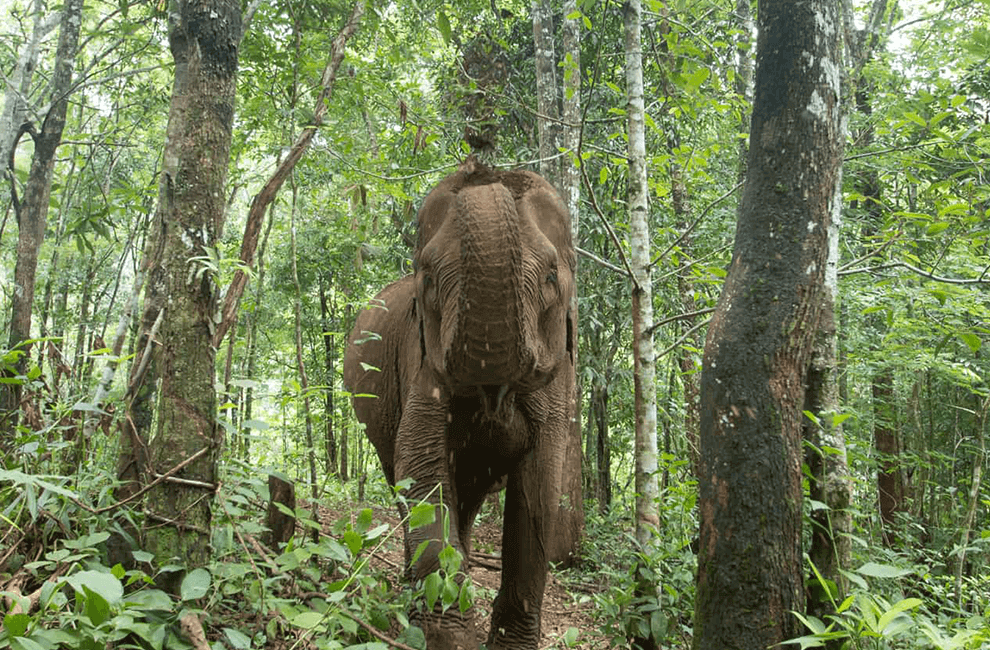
{"x": 552, "y": 276}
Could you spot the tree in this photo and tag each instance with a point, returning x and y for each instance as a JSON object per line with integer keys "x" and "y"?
{"x": 759, "y": 342}
{"x": 32, "y": 215}
{"x": 203, "y": 36}
{"x": 644, "y": 371}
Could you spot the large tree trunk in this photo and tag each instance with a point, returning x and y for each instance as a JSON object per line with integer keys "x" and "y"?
{"x": 759, "y": 345}
{"x": 204, "y": 36}
{"x": 33, "y": 212}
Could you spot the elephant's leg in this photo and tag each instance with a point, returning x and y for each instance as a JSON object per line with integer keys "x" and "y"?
{"x": 421, "y": 454}
{"x": 530, "y": 500}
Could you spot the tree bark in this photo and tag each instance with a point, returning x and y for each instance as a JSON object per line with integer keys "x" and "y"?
{"x": 328, "y": 319}
{"x": 546, "y": 91}
{"x": 32, "y": 214}
{"x": 644, "y": 371}
{"x": 203, "y": 36}
{"x": 760, "y": 340}
{"x": 644, "y": 355}
{"x": 830, "y": 482}
{"x": 974, "y": 498}
{"x": 300, "y": 362}
{"x": 569, "y": 523}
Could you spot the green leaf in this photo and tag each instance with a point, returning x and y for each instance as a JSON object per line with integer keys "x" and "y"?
{"x": 16, "y": 624}
{"x": 419, "y": 551}
{"x": 431, "y": 589}
{"x": 238, "y": 639}
{"x": 971, "y": 340}
{"x": 443, "y": 24}
{"x": 897, "y": 610}
{"x": 354, "y": 542}
{"x": 97, "y": 609}
{"x": 571, "y": 636}
{"x": 24, "y": 643}
{"x": 195, "y": 584}
{"x": 105, "y": 584}
{"x": 307, "y": 620}
{"x": 151, "y": 599}
{"x": 364, "y": 520}
{"x": 875, "y": 570}
{"x": 422, "y": 514}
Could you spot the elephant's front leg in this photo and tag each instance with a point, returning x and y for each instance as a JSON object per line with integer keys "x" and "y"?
{"x": 422, "y": 455}
{"x": 531, "y": 499}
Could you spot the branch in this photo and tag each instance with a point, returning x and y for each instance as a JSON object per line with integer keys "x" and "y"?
{"x": 685, "y": 316}
{"x": 684, "y": 337}
{"x": 608, "y": 226}
{"x": 594, "y": 258}
{"x": 267, "y": 194}
{"x": 873, "y": 253}
{"x": 925, "y": 274}
{"x": 694, "y": 224}
{"x": 249, "y": 15}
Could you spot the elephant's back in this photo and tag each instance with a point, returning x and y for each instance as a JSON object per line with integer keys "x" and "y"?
{"x": 377, "y": 335}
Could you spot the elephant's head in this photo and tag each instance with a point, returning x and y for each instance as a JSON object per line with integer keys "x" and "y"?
{"x": 495, "y": 277}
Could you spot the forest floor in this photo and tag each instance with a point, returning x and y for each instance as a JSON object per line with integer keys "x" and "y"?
{"x": 561, "y": 607}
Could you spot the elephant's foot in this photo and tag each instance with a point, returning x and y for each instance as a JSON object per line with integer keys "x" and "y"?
{"x": 447, "y": 631}
{"x": 515, "y": 625}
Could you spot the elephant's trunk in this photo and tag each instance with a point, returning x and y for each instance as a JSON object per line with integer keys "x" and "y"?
{"x": 490, "y": 342}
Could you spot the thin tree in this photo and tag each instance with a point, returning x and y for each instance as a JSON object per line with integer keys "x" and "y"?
{"x": 644, "y": 371}
{"x": 32, "y": 213}
{"x": 760, "y": 340}
{"x": 644, "y": 355}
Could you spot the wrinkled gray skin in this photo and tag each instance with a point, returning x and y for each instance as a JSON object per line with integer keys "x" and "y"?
{"x": 476, "y": 381}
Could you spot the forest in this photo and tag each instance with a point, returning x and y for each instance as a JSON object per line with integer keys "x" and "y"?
{"x": 776, "y": 288}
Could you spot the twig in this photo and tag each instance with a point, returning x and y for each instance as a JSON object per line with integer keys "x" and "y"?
{"x": 684, "y": 337}
{"x": 375, "y": 632}
{"x": 685, "y": 316}
{"x": 925, "y": 274}
{"x": 594, "y": 258}
{"x": 694, "y": 224}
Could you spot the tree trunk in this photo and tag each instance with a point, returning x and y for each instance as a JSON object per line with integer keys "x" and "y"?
{"x": 974, "y": 499}
{"x": 890, "y": 488}
{"x": 644, "y": 371}
{"x": 204, "y": 36}
{"x": 15, "y": 109}
{"x": 569, "y": 522}
{"x": 830, "y": 483}
{"x": 300, "y": 362}
{"x": 546, "y": 91}
{"x": 327, "y": 319}
{"x": 744, "y": 74}
{"x": 603, "y": 452}
{"x": 33, "y": 212}
{"x": 760, "y": 340}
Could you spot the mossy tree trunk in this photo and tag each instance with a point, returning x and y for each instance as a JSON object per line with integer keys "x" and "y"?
{"x": 203, "y": 36}
{"x": 760, "y": 340}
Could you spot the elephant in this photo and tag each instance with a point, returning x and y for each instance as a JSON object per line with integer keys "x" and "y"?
{"x": 463, "y": 374}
